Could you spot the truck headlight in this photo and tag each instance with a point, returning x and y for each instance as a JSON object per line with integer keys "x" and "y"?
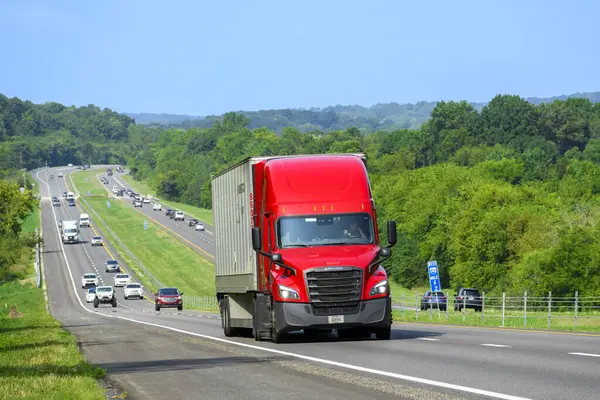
{"x": 288, "y": 293}
{"x": 380, "y": 288}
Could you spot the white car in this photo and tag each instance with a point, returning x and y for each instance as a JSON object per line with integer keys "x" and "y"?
{"x": 97, "y": 241}
{"x": 179, "y": 216}
{"x": 84, "y": 220}
{"x": 133, "y": 290}
{"x": 200, "y": 227}
{"x": 157, "y": 207}
{"x": 122, "y": 280}
{"x": 89, "y": 279}
{"x": 70, "y": 165}
{"x": 137, "y": 203}
{"x": 146, "y": 200}
{"x": 90, "y": 295}
{"x": 60, "y": 174}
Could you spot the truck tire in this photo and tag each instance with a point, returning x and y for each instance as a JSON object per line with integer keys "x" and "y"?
{"x": 96, "y": 302}
{"x": 114, "y": 302}
{"x": 384, "y": 333}
{"x": 156, "y": 307}
{"x": 228, "y": 331}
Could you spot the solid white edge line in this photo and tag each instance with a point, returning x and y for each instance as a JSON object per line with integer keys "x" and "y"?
{"x": 494, "y": 345}
{"x": 585, "y": 354}
{"x": 428, "y": 339}
{"x": 285, "y": 353}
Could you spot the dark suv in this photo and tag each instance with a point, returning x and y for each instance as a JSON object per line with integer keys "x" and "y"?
{"x": 468, "y": 298}
{"x": 434, "y": 300}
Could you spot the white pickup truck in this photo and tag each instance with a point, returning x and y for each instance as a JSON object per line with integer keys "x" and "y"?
{"x": 179, "y": 216}
{"x": 84, "y": 220}
{"x": 105, "y": 295}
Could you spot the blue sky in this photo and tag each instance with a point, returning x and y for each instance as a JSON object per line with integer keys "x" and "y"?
{"x": 209, "y": 57}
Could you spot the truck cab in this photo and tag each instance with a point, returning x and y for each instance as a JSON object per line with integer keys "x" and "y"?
{"x": 298, "y": 248}
{"x": 70, "y": 232}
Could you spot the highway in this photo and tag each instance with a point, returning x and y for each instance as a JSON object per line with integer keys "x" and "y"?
{"x": 180, "y": 354}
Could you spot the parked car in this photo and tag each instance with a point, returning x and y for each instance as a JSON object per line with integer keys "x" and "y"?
{"x": 168, "y": 297}
{"x": 468, "y": 298}
{"x": 434, "y": 300}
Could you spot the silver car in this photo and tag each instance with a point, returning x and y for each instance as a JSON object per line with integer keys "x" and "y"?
{"x": 112, "y": 266}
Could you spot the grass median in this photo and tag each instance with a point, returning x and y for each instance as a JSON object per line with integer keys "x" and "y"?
{"x": 165, "y": 257}
{"x": 143, "y": 189}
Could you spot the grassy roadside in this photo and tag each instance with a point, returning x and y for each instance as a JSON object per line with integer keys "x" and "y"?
{"x": 142, "y": 188}
{"x": 169, "y": 260}
{"x": 39, "y": 360}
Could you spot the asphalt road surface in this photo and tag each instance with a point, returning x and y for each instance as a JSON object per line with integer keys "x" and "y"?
{"x": 180, "y": 354}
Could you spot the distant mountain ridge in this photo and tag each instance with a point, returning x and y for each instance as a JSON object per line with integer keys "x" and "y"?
{"x": 381, "y": 116}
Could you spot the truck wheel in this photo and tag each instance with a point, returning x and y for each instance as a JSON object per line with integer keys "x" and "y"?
{"x": 226, "y": 316}
{"x": 384, "y": 333}
{"x": 114, "y": 302}
{"x": 96, "y": 303}
{"x": 156, "y": 307}
{"x": 179, "y": 308}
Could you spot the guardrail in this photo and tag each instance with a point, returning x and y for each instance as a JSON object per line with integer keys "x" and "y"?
{"x": 38, "y": 260}
{"x": 522, "y": 310}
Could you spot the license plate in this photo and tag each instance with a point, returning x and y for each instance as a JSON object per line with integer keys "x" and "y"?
{"x": 336, "y": 319}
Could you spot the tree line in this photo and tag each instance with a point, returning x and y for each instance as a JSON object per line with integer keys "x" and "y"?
{"x": 504, "y": 197}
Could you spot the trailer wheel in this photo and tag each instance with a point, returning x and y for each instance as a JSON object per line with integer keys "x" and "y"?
{"x": 226, "y": 319}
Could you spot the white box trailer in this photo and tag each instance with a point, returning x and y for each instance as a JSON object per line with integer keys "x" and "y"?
{"x": 235, "y": 262}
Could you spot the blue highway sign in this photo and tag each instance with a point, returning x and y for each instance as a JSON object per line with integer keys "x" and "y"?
{"x": 434, "y": 276}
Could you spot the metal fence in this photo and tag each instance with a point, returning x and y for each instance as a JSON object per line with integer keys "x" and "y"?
{"x": 207, "y": 303}
{"x": 528, "y": 311}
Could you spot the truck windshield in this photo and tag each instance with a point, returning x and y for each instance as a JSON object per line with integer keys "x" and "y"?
{"x": 324, "y": 230}
{"x": 70, "y": 230}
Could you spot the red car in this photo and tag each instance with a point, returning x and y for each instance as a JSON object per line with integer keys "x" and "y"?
{"x": 168, "y": 298}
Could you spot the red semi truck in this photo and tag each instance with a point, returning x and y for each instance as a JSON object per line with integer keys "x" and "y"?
{"x": 297, "y": 248}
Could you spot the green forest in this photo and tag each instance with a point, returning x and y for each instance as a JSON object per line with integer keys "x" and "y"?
{"x": 382, "y": 116}
{"x": 504, "y": 197}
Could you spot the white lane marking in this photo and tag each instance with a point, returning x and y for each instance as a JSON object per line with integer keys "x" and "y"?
{"x": 289, "y": 354}
{"x": 494, "y": 345}
{"x": 428, "y": 339}
{"x": 585, "y": 354}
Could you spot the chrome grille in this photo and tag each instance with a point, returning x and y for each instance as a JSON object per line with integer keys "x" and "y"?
{"x": 334, "y": 288}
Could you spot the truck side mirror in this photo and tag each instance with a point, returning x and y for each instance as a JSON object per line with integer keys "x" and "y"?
{"x": 385, "y": 252}
{"x": 256, "y": 239}
{"x": 391, "y": 233}
{"x": 276, "y": 258}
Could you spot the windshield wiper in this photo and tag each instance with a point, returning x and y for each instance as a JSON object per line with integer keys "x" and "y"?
{"x": 296, "y": 245}
{"x": 334, "y": 244}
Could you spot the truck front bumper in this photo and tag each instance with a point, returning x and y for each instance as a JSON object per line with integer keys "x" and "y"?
{"x": 372, "y": 314}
